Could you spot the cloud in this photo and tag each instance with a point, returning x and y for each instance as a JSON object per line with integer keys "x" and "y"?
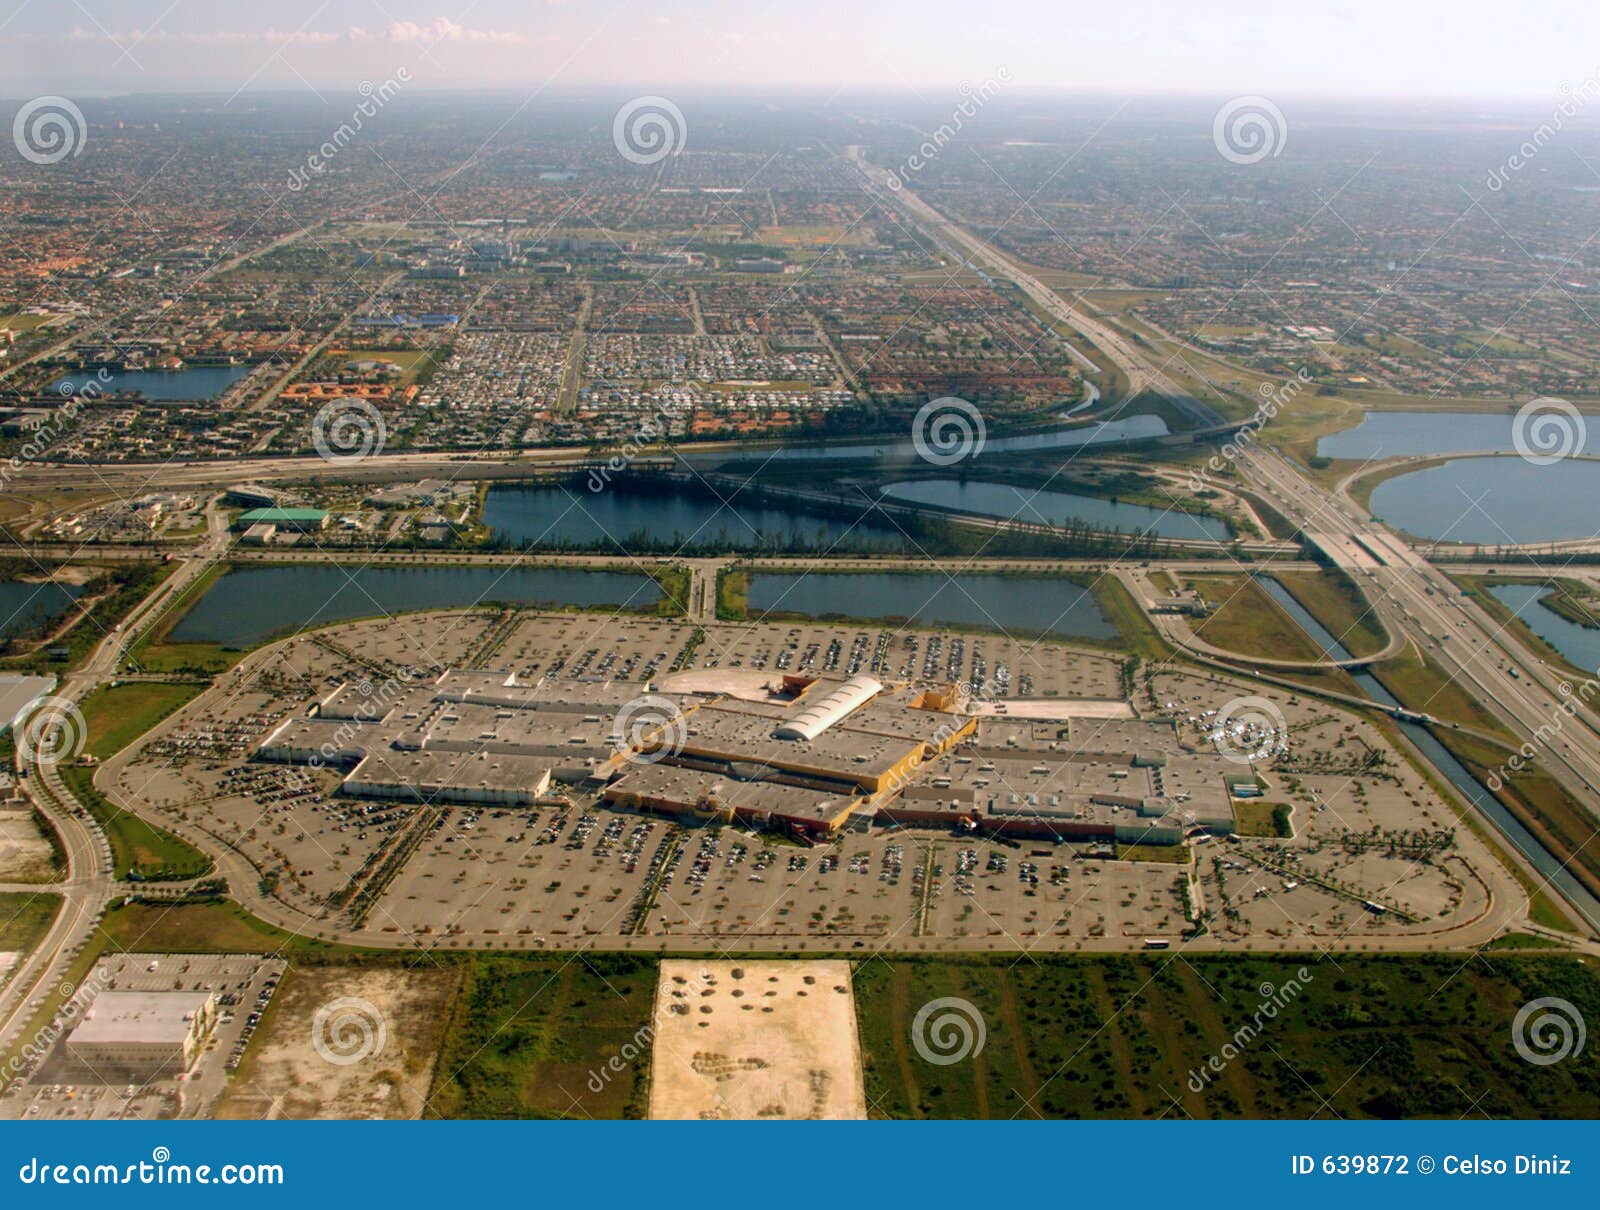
{"x": 408, "y": 33}
{"x": 217, "y": 37}
{"x": 445, "y": 30}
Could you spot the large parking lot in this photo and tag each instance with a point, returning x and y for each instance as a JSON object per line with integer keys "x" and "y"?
{"x": 514, "y": 878}
{"x": 558, "y": 875}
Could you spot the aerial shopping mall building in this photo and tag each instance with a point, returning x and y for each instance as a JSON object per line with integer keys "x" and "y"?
{"x": 807, "y": 755}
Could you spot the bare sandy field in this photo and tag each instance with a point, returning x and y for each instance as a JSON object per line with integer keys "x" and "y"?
{"x": 345, "y": 1043}
{"x": 25, "y": 854}
{"x": 747, "y": 1040}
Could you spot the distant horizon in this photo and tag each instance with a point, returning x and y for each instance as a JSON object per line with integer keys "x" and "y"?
{"x": 947, "y": 91}
{"x": 1431, "y": 51}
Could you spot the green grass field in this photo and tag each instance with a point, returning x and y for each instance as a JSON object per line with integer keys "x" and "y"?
{"x": 116, "y": 715}
{"x": 211, "y": 928}
{"x": 137, "y": 848}
{"x": 1255, "y": 818}
{"x": 733, "y": 599}
{"x": 1137, "y": 634}
{"x": 527, "y": 1034}
{"x": 1422, "y": 685}
{"x": 1334, "y": 600}
{"x": 24, "y": 918}
{"x": 1246, "y": 620}
{"x": 406, "y": 359}
{"x": 155, "y": 652}
{"x": 1123, "y": 1036}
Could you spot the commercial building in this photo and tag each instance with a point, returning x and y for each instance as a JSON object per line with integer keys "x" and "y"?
{"x": 761, "y": 802}
{"x": 810, "y": 756}
{"x": 820, "y": 751}
{"x": 467, "y": 737}
{"x": 1114, "y": 780}
{"x": 19, "y": 694}
{"x": 300, "y": 520}
{"x": 253, "y": 495}
{"x": 807, "y": 756}
{"x": 142, "y": 1034}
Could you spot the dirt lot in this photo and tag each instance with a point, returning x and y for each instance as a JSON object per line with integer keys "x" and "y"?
{"x": 25, "y": 854}
{"x": 749, "y": 1040}
{"x": 345, "y": 1043}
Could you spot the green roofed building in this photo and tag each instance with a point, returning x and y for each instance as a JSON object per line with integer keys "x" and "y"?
{"x": 302, "y": 520}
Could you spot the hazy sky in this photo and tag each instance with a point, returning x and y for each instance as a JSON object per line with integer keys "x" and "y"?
{"x": 1357, "y": 47}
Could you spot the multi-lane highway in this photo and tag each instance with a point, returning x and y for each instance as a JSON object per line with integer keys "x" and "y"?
{"x": 1412, "y": 599}
{"x": 1142, "y": 375}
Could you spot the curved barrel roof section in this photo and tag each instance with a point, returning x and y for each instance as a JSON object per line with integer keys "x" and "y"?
{"x": 840, "y": 702}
